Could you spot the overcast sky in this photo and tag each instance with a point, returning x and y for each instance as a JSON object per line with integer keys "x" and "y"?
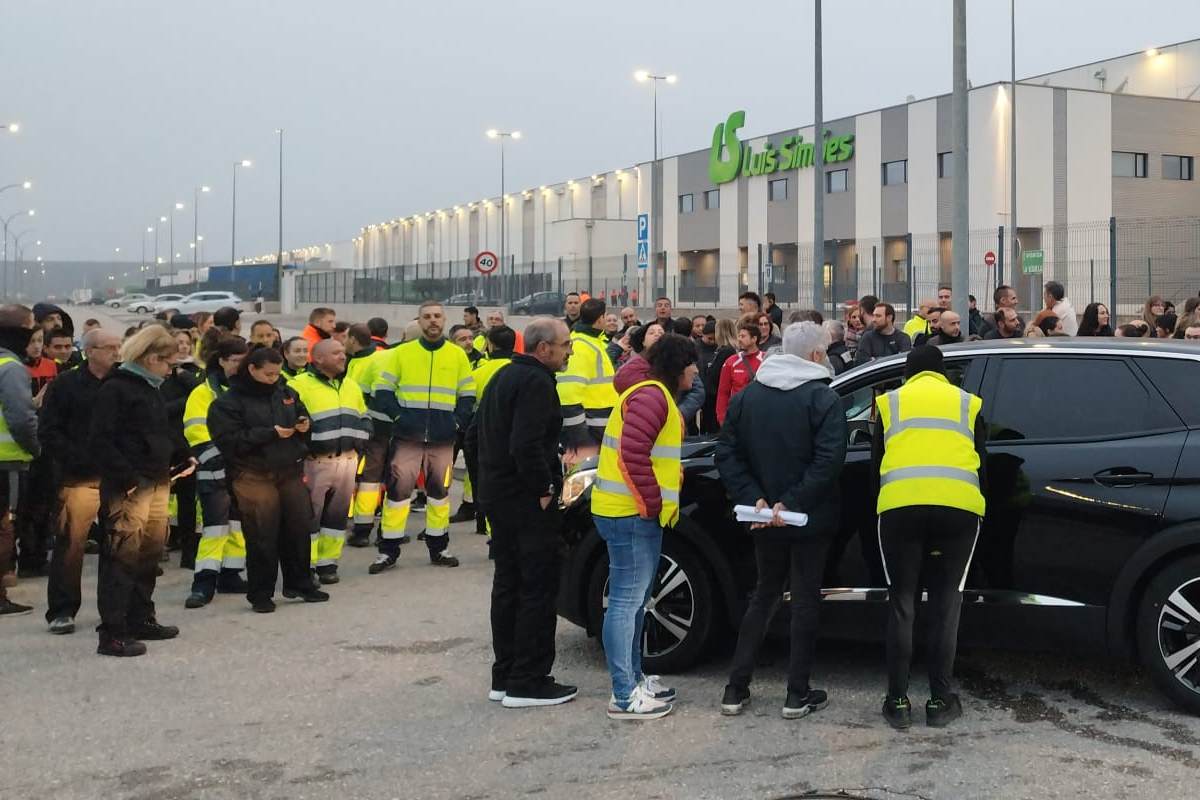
{"x": 126, "y": 105}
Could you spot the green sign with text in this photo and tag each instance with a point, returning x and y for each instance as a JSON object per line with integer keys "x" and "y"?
{"x": 730, "y": 157}
{"x": 1032, "y": 261}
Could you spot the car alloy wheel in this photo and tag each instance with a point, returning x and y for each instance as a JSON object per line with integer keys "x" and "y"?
{"x": 1168, "y": 631}
{"x": 670, "y": 611}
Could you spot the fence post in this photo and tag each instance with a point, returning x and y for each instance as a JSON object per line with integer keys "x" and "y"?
{"x": 590, "y": 277}
{"x": 760, "y": 267}
{"x": 875, "y": 270}
{"x": 1149, "y": 278}
{"x": 1000, "y": 257}
{"x": 1112, "y": 269}
{"x": 908, "y": 259}
{"x": 560, "y": 286}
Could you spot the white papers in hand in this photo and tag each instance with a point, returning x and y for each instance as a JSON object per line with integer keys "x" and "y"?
{"x": 751, "y": 514}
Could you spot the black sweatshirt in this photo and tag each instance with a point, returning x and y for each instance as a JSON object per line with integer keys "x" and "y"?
{"x": 66, "y": 420}
{"x": 242, "y": 425}
{"x": 515, "y": 433}
{"x": 130, "y": 435}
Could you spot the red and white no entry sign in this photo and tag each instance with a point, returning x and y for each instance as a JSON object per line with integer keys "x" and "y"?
{"x": 486, "y": 262}
{"x": 989, "y": 259}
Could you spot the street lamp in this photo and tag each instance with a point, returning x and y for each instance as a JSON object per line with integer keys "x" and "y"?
{"x": 148, "y": 230}
{"x": 279, "y": 251}
{"x": 11, "y": 127}
{"x": 178, "y": 207}
{"x": 245, "y": 162}
{"x": 492, "y": 133}
{"x": 21, "y": 185}
{"x": 196, "y": 228}
{"x": 31, "y": 212}
{"x": 641, "y": 76}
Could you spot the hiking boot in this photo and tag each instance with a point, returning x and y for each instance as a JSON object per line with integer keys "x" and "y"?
{"x": 61, "y": 625}
{"x": 941, "y": 712}
{"x": 122, "y": 648}
{"x": 382, "y": 562}
{"x": 547, "y": 693}
{"x": 150, "y": 630}
{"x": 801, "y": 705}
{"x": 735, "y": 700}
{"x": 466, "y": 512}
{"x": 443, "y": 559}
{"x": 898, "y": 712}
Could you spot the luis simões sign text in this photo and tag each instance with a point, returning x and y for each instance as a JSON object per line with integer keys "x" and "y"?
{"x": 730, "y": 157}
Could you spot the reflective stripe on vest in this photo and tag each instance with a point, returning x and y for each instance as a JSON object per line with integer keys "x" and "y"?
{"x": 588, "y": 379}
{"x": 611, "y": 495}
{"x": 9, "y": 449}
{"x": 929, "y": 454}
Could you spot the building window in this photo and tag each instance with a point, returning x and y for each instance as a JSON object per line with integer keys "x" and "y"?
{"x": 1177, "y": 168}
{"x": 837, "y": 181}
{"x": 1128, "y": 165}
{"x": 945, "y": 165}
{"x": 895, "y": 173}
{"x": 712, "y": 199}
{"x": 686, "y": 205}
{"x": 777, "y": 189}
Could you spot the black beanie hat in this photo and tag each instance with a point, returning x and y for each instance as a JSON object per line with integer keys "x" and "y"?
{"x": 924, "y": 358}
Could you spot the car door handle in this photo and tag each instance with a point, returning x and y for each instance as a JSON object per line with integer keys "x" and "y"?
{"x": 1122, "y": 477}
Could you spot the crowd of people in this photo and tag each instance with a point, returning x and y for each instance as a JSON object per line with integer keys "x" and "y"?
{"x": 258, "y": 456}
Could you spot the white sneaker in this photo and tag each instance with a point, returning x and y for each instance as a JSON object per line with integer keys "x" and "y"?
{"x": 641, "y": 705}
{"x": 656, "y": 689}
{"x": 63, "y": 624}
{"x": 496, "y": 695}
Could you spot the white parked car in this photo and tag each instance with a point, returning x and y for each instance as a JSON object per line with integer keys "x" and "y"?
{"x": 125, "y": 300}
{"x": 156, "y": 303}
{"x": 202, "y": 301}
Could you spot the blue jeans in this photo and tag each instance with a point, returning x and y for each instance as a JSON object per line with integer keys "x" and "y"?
{"x": 634, "y": 546}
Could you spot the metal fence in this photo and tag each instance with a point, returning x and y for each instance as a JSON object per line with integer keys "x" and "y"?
{"x": 1119, "y": 262}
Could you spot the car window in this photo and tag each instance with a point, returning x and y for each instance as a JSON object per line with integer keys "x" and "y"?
{"x": 859, "y": 403}
{"x": 1049, "y": 397}
{"x": 1177, "y": 379}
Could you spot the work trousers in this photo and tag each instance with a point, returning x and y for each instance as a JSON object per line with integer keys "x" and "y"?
{"x": 935, "y": 543}
{"x": 330, "y": 481}
{"x": 527, "y": 549}
{"x": 276, "y": 520}
{"x": 78, "y": 505}
{"x": 409, "y": 461}
{"x": 369, "y": 486}
{"x": 10, "y": 482}
{"x": 184, "y": 533}
{"x": 135, "y": 534}
{"x": 800, "y": 563}
{"x": 34, "y": 525}
{"x": 221, "y": 551}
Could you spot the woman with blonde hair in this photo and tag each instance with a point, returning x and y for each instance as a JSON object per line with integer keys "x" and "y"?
{"x": 1153, "y": 309}
{"x": 131, "y": 435}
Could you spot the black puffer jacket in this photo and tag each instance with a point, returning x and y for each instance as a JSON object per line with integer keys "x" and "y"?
{"x": 130, "y": 434}
{"x": 784, "y": 441}
{"x": 175, "y": 391}
{"x": 242, "y": 425}
{"x": 65, "y": 423}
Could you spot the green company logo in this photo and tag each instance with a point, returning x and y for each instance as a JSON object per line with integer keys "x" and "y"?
{"x": 792, "y": 153}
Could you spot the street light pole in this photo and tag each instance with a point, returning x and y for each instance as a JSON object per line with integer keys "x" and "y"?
{"x": 641, "y": 76}
{"x": 960, "y": 246}
{"x": 177, "y": 207}
{"x": 502, "y": 135}
{"x": 196, "y": 231}
{"x": 6, "y": 221}
{"x": 279, "y": 251}
{"x": 818, "y": 169}
{"x": 1012, "y": 135}
{"x": 233, "y": 226}
{"x": 21, "y": 185}
{"x": 157, "y": 276}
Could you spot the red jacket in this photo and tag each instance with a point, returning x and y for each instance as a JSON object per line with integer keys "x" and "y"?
{"x": 312, "y": 335}
{"x": 736, "y": 374}
{"x": 645, "y": 413}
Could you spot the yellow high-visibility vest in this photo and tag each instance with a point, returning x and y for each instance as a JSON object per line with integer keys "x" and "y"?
{"x": 929, "y": 446}
{"x": 9, "y": 449}
{"x": 195, "y": 411}
{"x": 485, "y": 372}
{"x": 337, "y": 411}
{"x": 612, "y": 496}
{"x": 587, "y": 381}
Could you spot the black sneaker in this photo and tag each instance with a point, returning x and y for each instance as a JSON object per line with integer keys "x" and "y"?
{"x": 481, "y": 525}
{"x": 382, "y": 562}
{"x": 735, "y": 700}
{"x": 232, "y": 582}
{"x": 307, "y": 595}
{"x": 10, "y": 609}
{"x": 62, "y": 625}
{"x": 150, "y": 631}
{"x": 264, "y": 606}
{"x": 358, "y": 540}
{"x": 197, "y": 600}
{"x": 443, "y": 560}
{"x": 939, "y": 713}
{"x": 327, "y": 575}
{"x": 801, "y": 705}
{"x": 418, "y": 503}
{"x": 898, "y": 712}
{"x": 465, "y": 513}
{"x": 91, "y": 547}
{"x": 122, "y": 648}
{"x": 547, "y": 693}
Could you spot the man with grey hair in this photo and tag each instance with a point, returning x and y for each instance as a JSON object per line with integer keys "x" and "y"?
{"x": 515, "y": 433}
{"x": 838, "y": 354}
{"x": 781, "y": 448}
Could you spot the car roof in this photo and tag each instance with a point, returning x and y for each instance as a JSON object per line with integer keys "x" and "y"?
{"x": 1061, "y": 345}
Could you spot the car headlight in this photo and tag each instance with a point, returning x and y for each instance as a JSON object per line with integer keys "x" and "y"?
{"x": 575, "y": 485}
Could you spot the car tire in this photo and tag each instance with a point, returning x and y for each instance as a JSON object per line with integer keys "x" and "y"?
{"x": 1168, "y": 632}
{"x": 689, "y": 606}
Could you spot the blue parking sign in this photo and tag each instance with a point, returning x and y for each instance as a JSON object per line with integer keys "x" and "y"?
{"x": 643, "y": 241}
{"x": 643, "y": 255}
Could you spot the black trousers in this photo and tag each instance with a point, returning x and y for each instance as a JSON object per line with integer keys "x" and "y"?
{"x": 184, "y": 534}
{"x": 527, "y": 548}
{"x": 277, "y": 522}
{"x": 800, "y": 561}
{"x": 35, "y": 510}
{"x": 936, "y": 543}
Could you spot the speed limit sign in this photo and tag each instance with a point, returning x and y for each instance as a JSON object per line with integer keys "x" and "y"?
{"x": 486, "y": 262}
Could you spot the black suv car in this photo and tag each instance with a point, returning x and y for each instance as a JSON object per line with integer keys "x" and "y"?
{"x": 539, "y": 303}
{"x": 1091, "y": 540}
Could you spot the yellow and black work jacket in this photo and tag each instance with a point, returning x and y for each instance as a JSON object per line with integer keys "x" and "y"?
{"x": 363, "y": 369}
{"x": 488, "y": 368}
{"x": 337, "y": 410}
{"x": 18, "y": 418}
{"x": 585, "y": 388}
{"x": 929, "y": 446}
{"x": 426, "y": 389}
{"x": 195, "y": 427}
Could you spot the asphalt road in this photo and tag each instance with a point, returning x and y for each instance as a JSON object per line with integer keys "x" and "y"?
{"x": 380, "y": 693}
